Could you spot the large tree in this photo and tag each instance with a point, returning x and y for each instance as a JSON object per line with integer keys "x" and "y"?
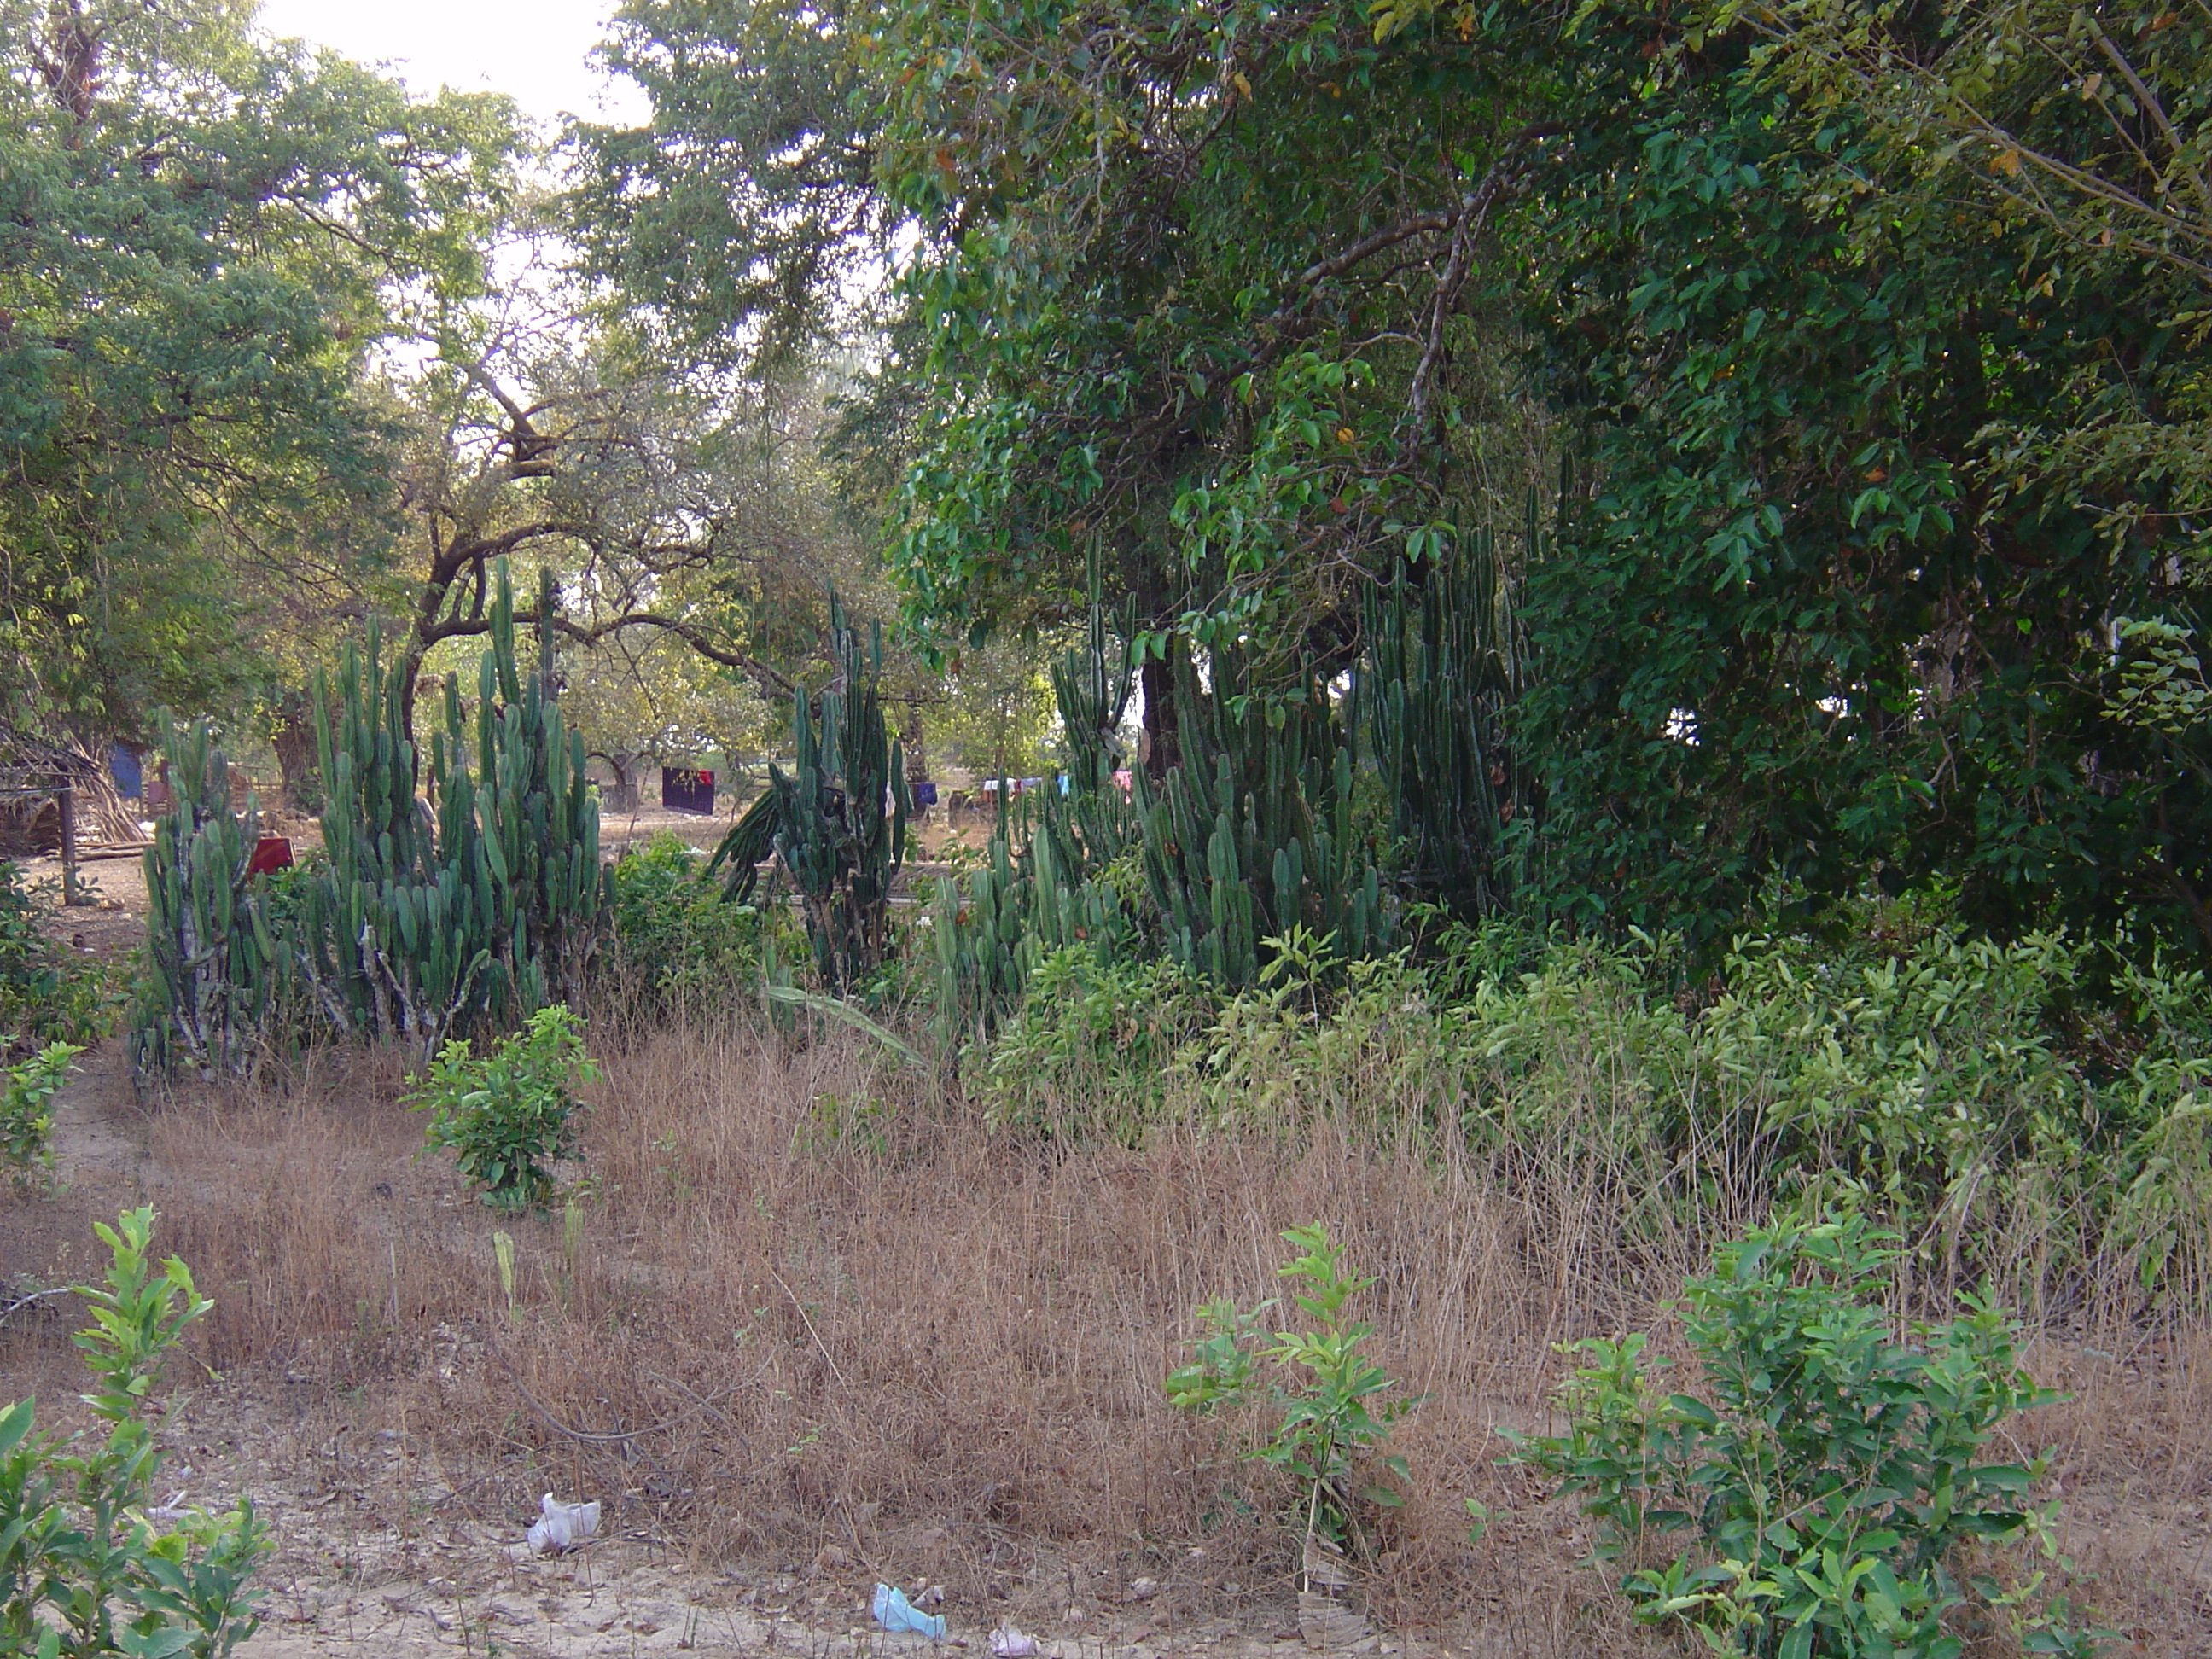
{"x": 201, "y": 235}
{"x": 1834, "y": 602}
{"x": 1188, "y": 300}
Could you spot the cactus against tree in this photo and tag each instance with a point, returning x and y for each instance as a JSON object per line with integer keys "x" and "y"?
{"x": 468, "y": 907}
{"x": 837, "y": 822}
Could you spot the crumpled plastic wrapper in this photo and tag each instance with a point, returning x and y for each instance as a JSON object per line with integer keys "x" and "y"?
{"x": 561, "y": 1527}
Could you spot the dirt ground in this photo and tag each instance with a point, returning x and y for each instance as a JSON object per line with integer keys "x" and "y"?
{"x": 383, "y": 1545}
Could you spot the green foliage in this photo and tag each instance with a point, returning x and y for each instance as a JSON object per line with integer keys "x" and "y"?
{"x": 2162, "y": 686}
{"x": 1827, "y": 601}
{"x": 2030, "y": 1116}
{"x": 470, "y": 915}
{"x": 27, "y": 1124}
{"x": 1091, "y": 1047}
{"x": 511, "y": 1113}
{"x": 78, "y": 1539}
{"x": 674, "y": 945}
{"x": 1873, "y": 340}
{"x": 1917, "y": 1074}
{"x": 47, "y": 993}
{"x": 838, "y": 827}
{"x": 211, "y": 232}
{"x": 1322, "y": 1038}
{"x": 1831, "y": 1477}
{"x": 756, "y": 147}
{"x": 1329, "y": 1405}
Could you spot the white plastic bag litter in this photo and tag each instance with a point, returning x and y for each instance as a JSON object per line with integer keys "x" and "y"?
{"x": 1007, "y": 1642}
{"x": 562, "y": 1525}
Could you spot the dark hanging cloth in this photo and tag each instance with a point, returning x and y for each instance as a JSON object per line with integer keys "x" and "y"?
{"x": 686, "y": 789}
{"x": 270, "y": 855}
{"x": 925, "y": 794}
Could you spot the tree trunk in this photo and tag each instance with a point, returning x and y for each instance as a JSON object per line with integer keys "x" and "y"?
{"x": 911, "y": 737}
{"x": 294, "y": 740}
{"x": 624, "y": 797}
{"x": 1162, "y": 717}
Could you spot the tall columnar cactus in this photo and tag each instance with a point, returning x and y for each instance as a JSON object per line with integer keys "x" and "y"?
{"x": 214, "y": 976}
{"x": 471, "y": 905}
{"x": 837, "y": 822}
{"x": 1440, "y": 676}
{"x": 1264, "y": 844}
{"x": 1054, "y": 888}
{"x": 479, "y": 902}
{"x": 1253, "y": 837}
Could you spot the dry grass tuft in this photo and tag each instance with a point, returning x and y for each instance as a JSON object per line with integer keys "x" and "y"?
{"x": 803, "y": 1301}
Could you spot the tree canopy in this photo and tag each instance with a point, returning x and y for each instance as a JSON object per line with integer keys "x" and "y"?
{"x": 1805, "y": 401}
{"x": 203, "y": 235}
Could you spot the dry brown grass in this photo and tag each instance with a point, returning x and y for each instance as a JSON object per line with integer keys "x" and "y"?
{"x": 803, "y": 1302}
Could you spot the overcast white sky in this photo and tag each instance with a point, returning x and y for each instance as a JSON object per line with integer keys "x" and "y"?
{"x": 536, "y": 51}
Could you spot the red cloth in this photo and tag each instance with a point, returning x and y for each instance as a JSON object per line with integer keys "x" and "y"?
{"x": 270, "y": 853}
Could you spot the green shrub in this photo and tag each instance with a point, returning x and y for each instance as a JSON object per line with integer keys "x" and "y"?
{"x": 677, "y": 947}
{"x": 1830, "y": 1479}
{"x": 2031, "y": 1113}
{"x": 1911, "y": 1072}
{"x": 86, "y": 1567}
{"x": 1329, "y": 1405}
{"x": 48, "y": 994}
{"x": 511, "y": 1113}
{"x": 27, "y": 1123}
{"x": 1089, "y": 1049}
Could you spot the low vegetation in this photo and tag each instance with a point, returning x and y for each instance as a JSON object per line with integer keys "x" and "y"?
{"x": 89, "y": 1566}
{"x": 509, "y": 1115}
{"x": 1837, "y": 1483}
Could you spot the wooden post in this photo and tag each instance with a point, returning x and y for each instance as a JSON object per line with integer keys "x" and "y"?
{"x": 68, "y": 799}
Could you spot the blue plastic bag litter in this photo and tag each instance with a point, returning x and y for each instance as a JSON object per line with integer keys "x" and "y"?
{"x": 895, "y": 1611}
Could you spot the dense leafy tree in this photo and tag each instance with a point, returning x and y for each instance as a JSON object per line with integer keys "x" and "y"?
{"x": 744, "y": 217}
{"x": 201, "y": 237}
{"x": 1149, "y": 329}
{"x": 1875, "y": 335}
{"x": 1809, "y": 621}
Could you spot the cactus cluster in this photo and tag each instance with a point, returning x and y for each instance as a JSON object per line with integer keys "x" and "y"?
{"x": 1255, "y": 834}
{"x": 1441, "y": 670}
{"x": 836, "y": 824}
{"x": 1266, "y": 844}
{"x": 1050, "y": 878}
{"x": 1252, "y": 838}
{"x": 214, "y": 973}
{"x": 468, "y": 905}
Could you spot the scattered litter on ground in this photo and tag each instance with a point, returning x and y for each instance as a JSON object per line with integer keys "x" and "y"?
{"x": 561, "y": 1527}
{"x": 895, "y": 1611}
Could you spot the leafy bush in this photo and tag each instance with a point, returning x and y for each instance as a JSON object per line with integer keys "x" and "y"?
{"x": 78, "y": 1543}
{"x": 511, "y": 1113}
{"x": 1091, "y": 1045}
{"x": 1830, "y": 1476}
{"x": 2029, "y": 1113}
{"x": 48, "y": 994}
{"x": 1331, "y": 1405}
{"x": 1909, "y": 1073}
{"x": 678, "y": 947}
{"x": 26, "y": 1126}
